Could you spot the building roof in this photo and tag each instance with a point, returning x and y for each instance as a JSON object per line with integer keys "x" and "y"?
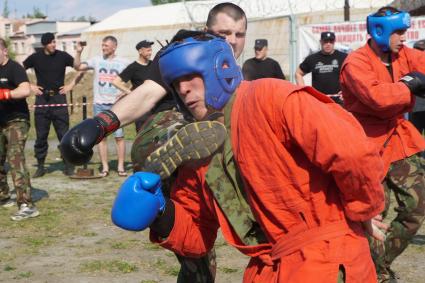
{"x": 196, "y": 12}
{"x": 72, "y": 32}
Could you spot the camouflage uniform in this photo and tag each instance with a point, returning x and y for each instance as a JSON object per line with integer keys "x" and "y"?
{"x": 153, "y": 134}
{"x": 13, "y": 136}
{"x": 406, "y": 179}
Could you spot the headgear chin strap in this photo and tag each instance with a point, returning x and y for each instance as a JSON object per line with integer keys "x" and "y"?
{"x": 208, "y": 56}
{"x": 381, "y": 27}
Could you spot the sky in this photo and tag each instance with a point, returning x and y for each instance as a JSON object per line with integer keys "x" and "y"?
{"x": 65, "y": 9}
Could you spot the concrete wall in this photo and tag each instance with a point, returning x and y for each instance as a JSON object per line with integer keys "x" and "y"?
{"x": 41, "y": 27}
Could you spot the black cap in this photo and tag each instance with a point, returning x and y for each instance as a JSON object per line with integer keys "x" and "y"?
{"x": 47, "y": 37}
{"x": 260, "y": 43}
{"x": 327, "y": 35}
{"x": 143, "y": 44}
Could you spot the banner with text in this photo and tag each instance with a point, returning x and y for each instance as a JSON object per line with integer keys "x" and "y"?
{"x": 349, "y": 36}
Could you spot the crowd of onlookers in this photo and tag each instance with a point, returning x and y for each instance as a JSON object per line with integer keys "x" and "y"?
{"x": 317, "y": 193}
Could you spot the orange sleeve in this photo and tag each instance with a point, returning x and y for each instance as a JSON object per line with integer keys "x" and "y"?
{"x": 416, "y": 59}
{"x": 195, "y": 227}
{"x": 334, "y": 141}
{"x": 360, "y": 79}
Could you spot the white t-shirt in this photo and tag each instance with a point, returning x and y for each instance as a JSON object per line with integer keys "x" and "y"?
{"x": 105, "y": 71}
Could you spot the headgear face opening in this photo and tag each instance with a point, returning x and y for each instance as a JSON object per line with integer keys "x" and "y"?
{"x": 381, "y": 27}
{"x": 210, "y": 57}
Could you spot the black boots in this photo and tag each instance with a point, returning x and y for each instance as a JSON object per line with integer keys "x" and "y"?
{"x": 40, "y": 170}
{"x": 68, "y": 170}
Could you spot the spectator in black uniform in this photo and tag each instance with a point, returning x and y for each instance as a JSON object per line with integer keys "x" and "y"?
{"x": 49, "y": 65}
{"x": 261, "y": 66}
{"x": 137, "y": 73}
{"x": 325, "y": 66}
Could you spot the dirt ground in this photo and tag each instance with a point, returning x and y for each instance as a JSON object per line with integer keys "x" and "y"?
{"x": 73, "y": 240}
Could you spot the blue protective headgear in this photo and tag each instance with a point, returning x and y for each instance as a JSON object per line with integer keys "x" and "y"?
{"x": 381, "y": 27}
{"x": 205, "y": 56}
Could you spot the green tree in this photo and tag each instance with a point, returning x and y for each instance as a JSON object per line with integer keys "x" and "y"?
{"x": 11, "y": 53}
{"x": 6, "y": 10}
{"x": 36, "y": 14}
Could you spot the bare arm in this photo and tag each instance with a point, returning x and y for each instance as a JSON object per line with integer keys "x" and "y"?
{"x": 121, "y": 85}
{"x": 22, "y": 91}
{"x": 299, "y": 74}
{"x": 82, "y": 67}
{"x": 77, "y": 78}
{"x": 37, "y": 90}
{"x": 139, "y": 102}
{"x": 77, "y": 58}
{"x": 66, "y": 88}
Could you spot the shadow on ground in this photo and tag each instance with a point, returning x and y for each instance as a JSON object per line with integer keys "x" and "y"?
{"x": 38, "y": 194}
{"x": 418, "y": 240}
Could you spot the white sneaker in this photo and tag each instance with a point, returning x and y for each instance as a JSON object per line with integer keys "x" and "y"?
{"x": 25, "y": 212}
{"x": 8, "y": 203}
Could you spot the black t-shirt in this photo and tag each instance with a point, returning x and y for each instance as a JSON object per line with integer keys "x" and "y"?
{"x": 325, "y": 70}
{"x": 49, "y": 69}
{"x": 136, "y": 73}
{"x": 254, "y": 69}
{"x": 11, "y": 76}
{"x": 154, "y": 74}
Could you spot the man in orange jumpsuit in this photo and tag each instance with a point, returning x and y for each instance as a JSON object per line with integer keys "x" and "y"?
{"x": 294, "y": 187}
{"x": 379, "y": 83}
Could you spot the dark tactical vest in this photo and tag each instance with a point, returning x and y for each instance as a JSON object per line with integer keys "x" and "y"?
{"x": 224, "y": 180}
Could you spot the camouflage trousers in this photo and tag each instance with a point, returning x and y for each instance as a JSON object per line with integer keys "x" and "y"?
{"x": 155, "y": 131}
{"x": 12, "y": 149}
{"x": 406, "y": 179}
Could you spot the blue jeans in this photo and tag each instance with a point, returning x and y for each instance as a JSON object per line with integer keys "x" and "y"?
{"x": 97, "y": 108}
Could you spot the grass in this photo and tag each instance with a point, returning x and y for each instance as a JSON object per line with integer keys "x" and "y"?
{"x": 228, "y": 270}
{"x": 90, "y": 234}
{"x": 119, "y": 246}
{"x": 108, "y": 265}
{"x": 166, "y": 268}
{"x": 152, "y": 247}
{"x": 74, "y": 236}
{"x": 9, "y": 268}
{"x": 35, "y": 243}
{"x": 26, "y": 274}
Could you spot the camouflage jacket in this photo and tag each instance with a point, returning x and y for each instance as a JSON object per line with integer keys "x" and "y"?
{"x": 225, "y": 182}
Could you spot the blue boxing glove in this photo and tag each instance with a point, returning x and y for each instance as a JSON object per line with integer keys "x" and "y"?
{"x": 139, "y": 202}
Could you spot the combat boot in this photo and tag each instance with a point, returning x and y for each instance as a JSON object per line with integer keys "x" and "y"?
{"x": 388, "y": 276}
{"x": 194, "y": 141}
{"x": 69, "y": 169}
{"x": 40, "y": 171}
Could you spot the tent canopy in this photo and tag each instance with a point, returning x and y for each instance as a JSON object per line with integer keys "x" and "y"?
{"x": 196, "y": 12}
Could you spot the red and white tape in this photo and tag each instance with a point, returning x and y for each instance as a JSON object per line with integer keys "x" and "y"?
{"x": 57, "y": 105}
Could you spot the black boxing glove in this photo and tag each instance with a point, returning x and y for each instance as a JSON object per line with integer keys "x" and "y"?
{"x": 415, "y": 81}
{"x": 77, "y": 144}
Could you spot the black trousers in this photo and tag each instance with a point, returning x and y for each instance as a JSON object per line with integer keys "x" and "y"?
{"x": 418, "y": 119}
{"x": 43, "y": 118}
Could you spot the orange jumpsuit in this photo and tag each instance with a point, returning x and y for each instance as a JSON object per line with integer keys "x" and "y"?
{"x": 379, "y": 101}
{"x": 309, "y": 175}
